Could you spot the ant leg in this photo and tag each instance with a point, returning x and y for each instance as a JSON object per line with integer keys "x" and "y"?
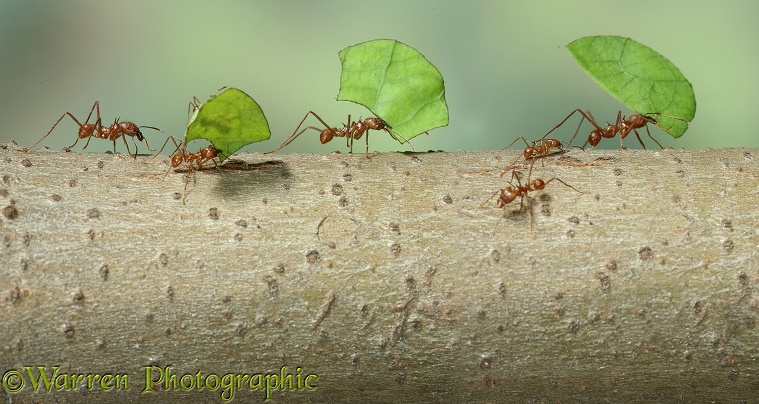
{"x": 532, "y": 216}
{"x": 51, "y": 130}
{"x": 169, "y": 137}
{"x": 652, "y": 138}
{"x": 529, "y": 173}
{"x": 639, "y": 139}
{"x": 367, "y": 146}
{"x": 296, "y": 133}
{"x": 192, "y": 107}
{"x": 123, "y": 137}
{"x": 491, "y": 197}
{"x": 566, "y": 119}
{"x": 98, "y": 125}
{"x": 523, "y": 139}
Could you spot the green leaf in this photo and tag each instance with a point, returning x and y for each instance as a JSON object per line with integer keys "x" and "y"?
{"x": 229, "y": 120}
{"x": 639, "y": 77}
{"x": 396, "y": 83}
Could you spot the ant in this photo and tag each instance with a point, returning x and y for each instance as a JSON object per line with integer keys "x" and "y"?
{"x": 512, "y": 192}
{"x": 351, "y": 131}
{"x": 195, "y": 104}
{"x": 623, "y": 125}
{"x": 194, "y": 161}
{"x": 540, "y": 148}
{"x": 97, "y": 130}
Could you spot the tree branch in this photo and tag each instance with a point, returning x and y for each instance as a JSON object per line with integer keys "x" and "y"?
{"x": 387, "y": 279}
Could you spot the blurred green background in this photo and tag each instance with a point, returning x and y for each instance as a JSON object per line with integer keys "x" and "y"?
{"x": 506, "y": 70}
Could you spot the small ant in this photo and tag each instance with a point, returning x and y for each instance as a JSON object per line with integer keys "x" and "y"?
{"x": 512, "y": 192}
{"x": 622, "y": 125}
{"x": 194, "y": 161}
{"x": 195, "y": 104}
{"x": 97, "y": 130}
{"x": 351, "y": 131}
{"x": 540, "y": 148}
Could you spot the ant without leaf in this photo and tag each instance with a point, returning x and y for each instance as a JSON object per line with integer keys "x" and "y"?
{"x": 351, "y": 131}
{"x": 622, "y": 125}
{"x": 194, "y": 161}
{"x": 512, "y": 192}
{"x": 540, "y": 148}
{"x": 97, "y": 130}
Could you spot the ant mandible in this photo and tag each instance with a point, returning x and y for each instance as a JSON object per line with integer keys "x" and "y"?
{"x": 512, "y": 192}
{"x": 351, "y": 131}
{"x": 194, "y": 161}
{"x": 622, "y": 125}
{"x": 97, "y": 130}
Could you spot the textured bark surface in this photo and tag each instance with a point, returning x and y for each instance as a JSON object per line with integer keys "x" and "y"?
{"x": 386, "y": 278}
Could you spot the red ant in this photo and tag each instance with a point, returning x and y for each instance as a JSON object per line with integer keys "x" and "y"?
{"x": 351, "y": 131}
{"x": 97, "y": 130}
{"x": 194, "y": 161}
{"x": 622, "y": 125}
{"x": 512, "y": 192}
{"x": 540, "y": 148}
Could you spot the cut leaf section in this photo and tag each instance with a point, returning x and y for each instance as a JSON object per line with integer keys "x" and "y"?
{"x": 396, "y": 83}
{"x": 229, "y": 120}
{"x": 639, "y": 77}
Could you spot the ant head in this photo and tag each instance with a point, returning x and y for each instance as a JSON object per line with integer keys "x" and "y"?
{"x": 209, "y": 152}
{"x": 176, "y": 159}
{"x": 131, "y": 129}
{"x": 538, "y": 184}
{"x": 376, "y": 123}
{"x": 529, "y": 152}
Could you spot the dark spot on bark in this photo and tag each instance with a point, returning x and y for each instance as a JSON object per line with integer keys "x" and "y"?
{"x": 645, "y": 253}
{"x": 495, "y": 255}
{"x": 395, "y": 249}
{"x": 337, "y": 189}
{"x": 10, "y": 212}
{"x": 313, "y": 257}
{"x": 272, "y": 284}
{"x": 78, "y": 297}
{"x": 605, "y": 281}
{"x": 93, "y": 213}
{"x": 486, "y": 362}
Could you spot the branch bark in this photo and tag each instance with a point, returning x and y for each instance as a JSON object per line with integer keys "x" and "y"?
{"x": 386, "y": 278}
